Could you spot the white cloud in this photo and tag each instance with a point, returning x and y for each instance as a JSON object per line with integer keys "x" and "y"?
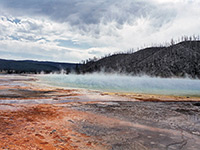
{"x": 104, "y": 26}
{"x": 168, "y": 1}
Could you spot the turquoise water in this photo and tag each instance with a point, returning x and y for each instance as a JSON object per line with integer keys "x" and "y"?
{"x": 124, "y": 83}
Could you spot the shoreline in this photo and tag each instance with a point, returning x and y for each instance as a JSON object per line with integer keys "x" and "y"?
{"x": 142, "y": 86}
{"x": 137, "y": 96}
{"x": 86, "y": 120}
{"x": 29, "y": 87}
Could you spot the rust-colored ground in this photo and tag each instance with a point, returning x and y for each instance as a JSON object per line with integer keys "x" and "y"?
{"x": 38, "y": 126}
{"x": 42, "y": 127}
{"x": 143, "y": 122}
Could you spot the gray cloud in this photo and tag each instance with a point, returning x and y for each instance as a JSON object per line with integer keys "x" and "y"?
{"x": 86, "y": 15}
{"x": 79, "y": 29}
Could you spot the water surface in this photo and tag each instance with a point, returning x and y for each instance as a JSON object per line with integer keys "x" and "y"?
{"x": 125, "y": 83}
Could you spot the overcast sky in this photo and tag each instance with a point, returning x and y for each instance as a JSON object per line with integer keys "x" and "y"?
{"x": 74, "y": 30}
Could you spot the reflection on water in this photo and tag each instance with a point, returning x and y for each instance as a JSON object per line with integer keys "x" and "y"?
{"x": 124, "y": 83}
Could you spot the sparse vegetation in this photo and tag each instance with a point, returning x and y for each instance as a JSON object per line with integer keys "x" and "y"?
{"x": 179, "y": 58}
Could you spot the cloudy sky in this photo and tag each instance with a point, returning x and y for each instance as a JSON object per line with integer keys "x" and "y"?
{"x": 74, "y": 30}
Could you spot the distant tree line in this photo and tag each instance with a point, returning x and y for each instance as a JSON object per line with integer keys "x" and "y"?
{"x": 132, "y": 50}
{"x": 177, "y": 58}
{"x": 36, "y": 67}
{"x": 32, "y": 72}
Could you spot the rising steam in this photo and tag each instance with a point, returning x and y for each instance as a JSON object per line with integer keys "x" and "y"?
{"x": 125, "y": 83}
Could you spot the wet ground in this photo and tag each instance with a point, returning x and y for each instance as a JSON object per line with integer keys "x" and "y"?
{"x": 35, "y": 116}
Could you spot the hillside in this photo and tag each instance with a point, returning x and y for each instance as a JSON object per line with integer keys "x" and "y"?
{"x": 178, "y": 60}
{"x": 28, "y": 66}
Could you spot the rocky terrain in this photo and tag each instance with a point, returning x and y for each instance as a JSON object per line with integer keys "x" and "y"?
{"x": 177, "y": 60}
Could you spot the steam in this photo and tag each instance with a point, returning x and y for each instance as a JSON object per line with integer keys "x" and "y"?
{"x": 126, "y": 83}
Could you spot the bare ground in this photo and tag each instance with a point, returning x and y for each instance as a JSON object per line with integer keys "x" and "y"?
{"x": 34, "y": 116}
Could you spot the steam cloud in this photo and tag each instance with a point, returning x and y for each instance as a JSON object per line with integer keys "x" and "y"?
{"x": 125, "y": 83}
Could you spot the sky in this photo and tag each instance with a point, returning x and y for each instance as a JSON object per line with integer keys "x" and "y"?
{"x": 75, "y": 30}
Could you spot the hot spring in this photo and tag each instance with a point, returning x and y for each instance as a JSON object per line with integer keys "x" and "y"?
{"x": 125, "y": 83}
